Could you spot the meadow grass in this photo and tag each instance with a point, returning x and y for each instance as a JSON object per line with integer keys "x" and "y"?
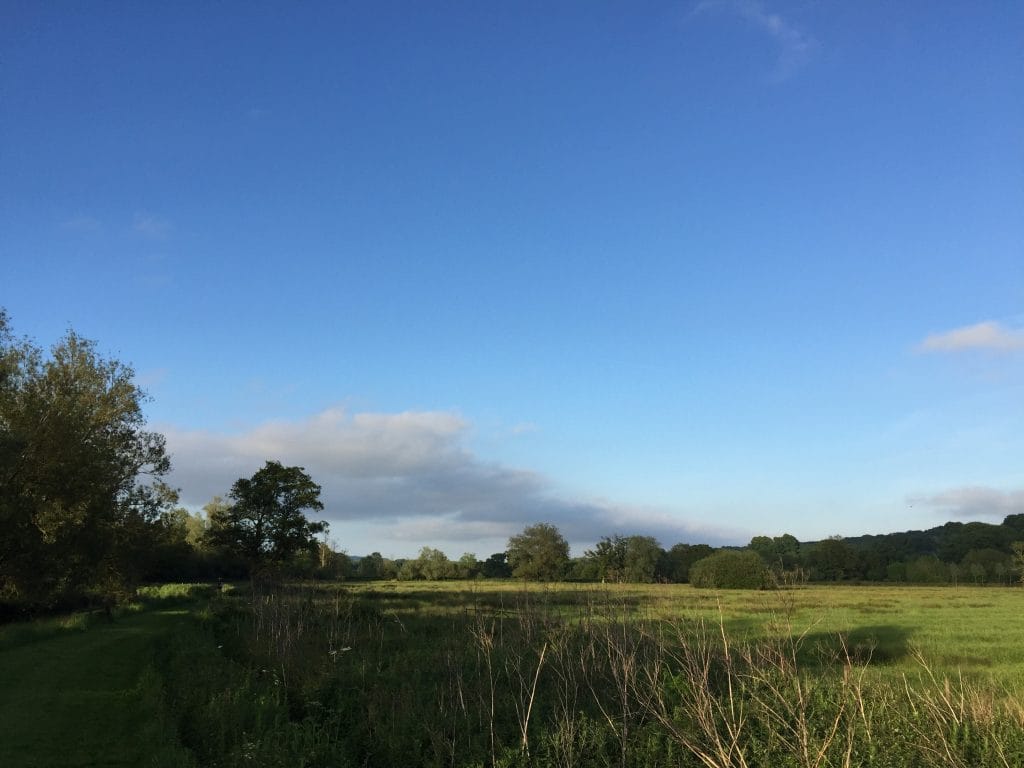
{"x": 505, "y": 674}
{"x": 972, "y": 630}
{"x": 488, "y": 673}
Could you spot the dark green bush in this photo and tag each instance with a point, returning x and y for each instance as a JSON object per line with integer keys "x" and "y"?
{"x": 730, "y": 569}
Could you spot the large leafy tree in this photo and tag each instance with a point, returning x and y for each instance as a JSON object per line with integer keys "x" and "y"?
{"x": 496, "y": 566}
{"x": 81, "y": 499}
{"x": 779, "y": 553}
{"x": 266, "y": 523}
{"x": 643, "y": 553}
{"x": 609, "y": 558}
{"x": 539, "y": 553}
{"x": 371, "y": 566}
{"x": 832, "y": 559}
{"x": 626, "y": 558}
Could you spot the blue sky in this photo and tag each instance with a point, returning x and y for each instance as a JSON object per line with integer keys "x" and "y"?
{"x": 701, "y": 270}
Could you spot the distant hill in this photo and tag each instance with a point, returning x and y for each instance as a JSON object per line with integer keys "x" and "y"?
{"x": 949, "y": 542}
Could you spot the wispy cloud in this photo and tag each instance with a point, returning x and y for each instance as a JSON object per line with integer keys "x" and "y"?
{"x": 987, "y": 335}
{"x": 150, "y": 225}
{"x": 796, "y": 47}
{"x": 81, "y": 223}
{"x": 973, "y": 501}
{"x": 411, "y": 477}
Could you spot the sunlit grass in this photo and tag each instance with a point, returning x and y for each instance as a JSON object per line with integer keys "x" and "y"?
{"x": 429, "y": 673}
{"x": 399, "y": 672}
{"x": 970, "y": 630}
{"x": 171, "y": 592}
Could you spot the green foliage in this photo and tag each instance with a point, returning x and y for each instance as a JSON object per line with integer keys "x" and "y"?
{"x": 371, "y": 566}
{"x": 539, "y": 553}
{"x": 781, "y": 553}
{"x": 467, "y": 566}
{"x": 431, "y": 565}
{"x": 216, "y": 513}
{"x": 896, "y": 572}
{"x": 927, "y": 569}
{"x": 175, "y": 593}
{"x": 987, "y": 566}
{"x": 641, "y": 562}
{"x": 266, "y": 524}
{"x": 676, "y": 563}
{"x": 831, "y": 559}
{"x": 876, "y": 557}
{"x": 77, "y": 516}
{"x": 961, "y": 538}
{"x": 1018, "y": 560}
{"x": 582, "y": 569}
{"x": 730, "y": 569}
{"x": 496, "y": 566}
{"x": 608, "y": 559}
{"x": 632, "y": 559}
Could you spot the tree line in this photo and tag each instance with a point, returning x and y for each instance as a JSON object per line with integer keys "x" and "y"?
{"x": 968, "y": 553}
{"x": 85, "y": 514}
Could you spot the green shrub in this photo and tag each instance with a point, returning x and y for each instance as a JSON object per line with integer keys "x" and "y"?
{"x": 730, "y": 569}
{"x": 172, "y": 593}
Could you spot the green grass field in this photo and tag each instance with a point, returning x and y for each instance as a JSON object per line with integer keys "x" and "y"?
{"x": 971, "y": 630}
{"x": 442, "y": 673}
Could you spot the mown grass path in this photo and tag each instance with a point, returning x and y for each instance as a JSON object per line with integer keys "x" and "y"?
{"x": 87, "y": 697}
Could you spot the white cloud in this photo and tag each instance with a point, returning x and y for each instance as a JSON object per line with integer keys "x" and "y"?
{"x": 796, "y": 47}
{"x": 409, "y": 477}
{"x": 987, "y": 335}
{"x": 149, "y": 225}
{"x": 973, "y": 501}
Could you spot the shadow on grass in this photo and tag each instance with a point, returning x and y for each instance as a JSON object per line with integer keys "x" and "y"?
{"x": 22, "y": 633}
{"x": 878, "y": 644}
{"x": 28, "y": 628}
